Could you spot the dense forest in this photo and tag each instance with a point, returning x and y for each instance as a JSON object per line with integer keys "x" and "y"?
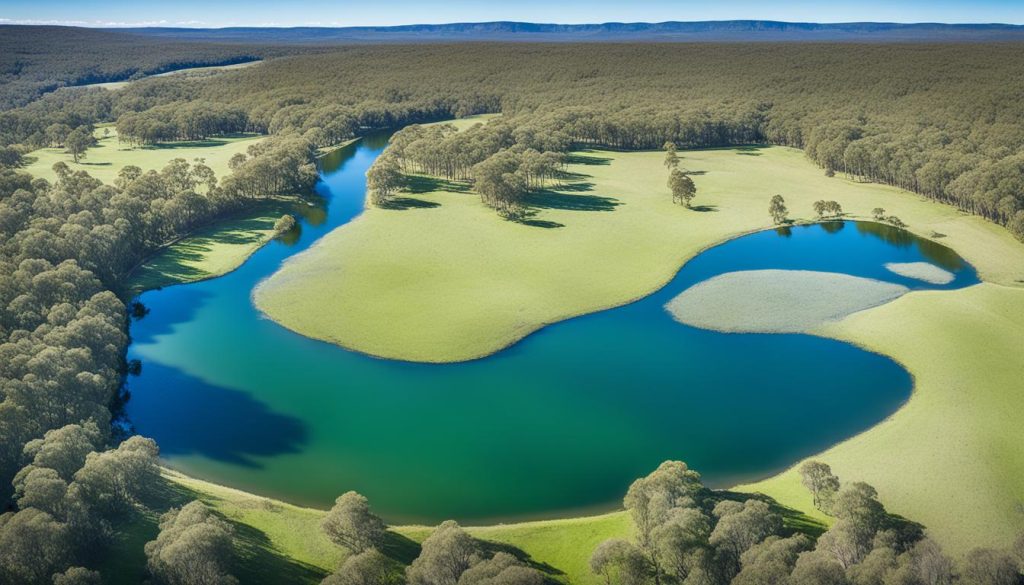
{"x": 940, "y": 120}
{"x": 66, "y": 251}
{"x": 35, "y": 60}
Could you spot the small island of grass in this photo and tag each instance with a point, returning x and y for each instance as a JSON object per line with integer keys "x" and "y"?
{"x": 922, "y": 271}
{"x": 777, "y": 301}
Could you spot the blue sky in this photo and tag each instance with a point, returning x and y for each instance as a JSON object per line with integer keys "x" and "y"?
{"x": 214, "y": 13}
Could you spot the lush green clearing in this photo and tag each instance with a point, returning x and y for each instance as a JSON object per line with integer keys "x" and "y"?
{"x": 104, "y": 160}
{"x": 189, "y": 72}
{"x": 210, "y": 252}
{"x": 951, "y": 457}
{"x": 786, "y": 300}
{"x": 445, "y": 279}
{"x": 453, "y": 282}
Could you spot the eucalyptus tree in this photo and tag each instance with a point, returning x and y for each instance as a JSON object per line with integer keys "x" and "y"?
{"x": 777, "y": 209}
{"x": 682, "y": 187}
{"x": 350, "y": 523}
{"x": 444, "y": 556}
{"x": 194, "y": 547}
{"x": 671, "y": 156}
{"x": 818, "y": 478}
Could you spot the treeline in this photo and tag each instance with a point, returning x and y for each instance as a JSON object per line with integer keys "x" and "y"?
{"x": 940, "y": 120}
{"x": 687, "y": 534}
{"x": 504, "y": 164}
{"x": 38, "y": 59}
{"x": 67, "y": 249}
{"x": 192, "y": 121}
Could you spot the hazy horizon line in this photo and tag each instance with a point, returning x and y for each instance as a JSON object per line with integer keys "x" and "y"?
{"x": 199, "y": 25}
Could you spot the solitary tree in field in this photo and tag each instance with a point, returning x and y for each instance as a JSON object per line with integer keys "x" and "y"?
{"x": 777, "y": 208}
{"x": 351, "y": 524}
{"x": 671, "y": 156}
{"x": 78, "y": 141}
{"x": 818, "y": 478}
{"x": 878, "y": 213}
{"x": 683, "y": 189}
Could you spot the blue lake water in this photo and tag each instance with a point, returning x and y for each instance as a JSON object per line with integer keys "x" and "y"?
{"x": 562, "y": 421}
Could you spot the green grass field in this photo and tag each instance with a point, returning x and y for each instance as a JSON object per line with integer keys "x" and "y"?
{"x": 104, "y": 160}
{"x": 210, "y": 252}
{"x": 787, "y": 301}
{"x": 455, "y": 281}
{"x": 276, "y": 542}
{"x": 951, "y": 457}
{"x": 189, "y": 72}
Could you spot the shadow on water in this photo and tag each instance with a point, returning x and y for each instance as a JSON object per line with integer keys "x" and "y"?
{"x": 934, "y": 251}
{"x": 191, "y": 416}
{"x": 188, "y": 302}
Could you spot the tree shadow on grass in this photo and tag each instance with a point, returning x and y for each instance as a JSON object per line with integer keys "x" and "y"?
{"x": 576, "y": 187}
{"x": 793, "y": 521}
{"x": 417, "y": 184}
{"x": 400, "y": 548}
{"x": 258, "y": 561}
{"x": 492, "y": 548}
{"x": 704, "y": 208}
{"x": 399, "y": 203}
{"x": 749, "y": 150}
{"x": 541, "y": 223}
{"x": 548, "y": 199}
{"x": 587, "y": 158}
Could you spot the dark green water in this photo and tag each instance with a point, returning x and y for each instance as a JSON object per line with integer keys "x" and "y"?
{"x": 561, "y": 421}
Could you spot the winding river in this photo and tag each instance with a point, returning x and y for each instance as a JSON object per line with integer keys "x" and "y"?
{"x": 560, "y": 422}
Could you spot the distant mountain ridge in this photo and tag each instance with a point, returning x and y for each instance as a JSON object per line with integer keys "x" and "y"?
{"x": 706, "y": 31}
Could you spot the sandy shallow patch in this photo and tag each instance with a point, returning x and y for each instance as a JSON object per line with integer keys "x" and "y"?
{"x": 923, "y": 271}
{"x": 777, "y": 301}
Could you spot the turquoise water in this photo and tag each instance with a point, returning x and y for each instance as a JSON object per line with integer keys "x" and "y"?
{"x": 562, "y": 421}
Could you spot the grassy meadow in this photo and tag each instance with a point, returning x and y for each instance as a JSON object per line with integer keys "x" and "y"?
{"x": 188, "y": 72}
{"x": 212, "y": 251}
{"x": 950, "y": 458}
{"x": 787, "y": 301}
{"x": 446, "y": 279}
{"x": 276, "y": 542}
{"x": 106, "y": 159}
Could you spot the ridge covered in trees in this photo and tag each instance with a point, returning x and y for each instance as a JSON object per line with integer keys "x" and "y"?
{"x": 940, "y": 120}
{"x": 38, "y": 59}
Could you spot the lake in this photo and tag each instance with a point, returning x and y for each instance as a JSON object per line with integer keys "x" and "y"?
{"x": 559, "y": 423}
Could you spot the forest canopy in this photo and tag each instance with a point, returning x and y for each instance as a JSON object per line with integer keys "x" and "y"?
{"x": 940, "y": 120}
